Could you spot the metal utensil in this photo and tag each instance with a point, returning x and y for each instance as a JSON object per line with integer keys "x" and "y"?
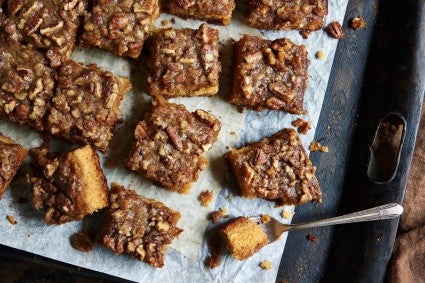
{"x": 274, "y": 228}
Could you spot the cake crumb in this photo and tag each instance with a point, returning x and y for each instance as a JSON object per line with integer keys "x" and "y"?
{"x": 311, "y": 237}
{"x": 205, "y": 197}
{"x": 265, "y": 218}
{"x": 213, "y": 261}
{"x": 164, "y": 23}
{"x": 320, "y": 55}
{"x": 83, "y": 241}
{"x": 287, "y": 214}
{"x": 173, "y": 21}
{"x": 357, "y": 23}
{"x": 316, "y": 146}
{"x": 11, "y": 219}
{"x": 302, "y": 125}
{"x": 229, "y": 197}
{"x": 111, "y": 163}
{"x": 266, "y": 264}
{"x": 215, "y": 216}
{"x": 233, "y": 133}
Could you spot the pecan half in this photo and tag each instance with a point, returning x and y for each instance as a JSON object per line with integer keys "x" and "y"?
{"x": 334, "y": 30}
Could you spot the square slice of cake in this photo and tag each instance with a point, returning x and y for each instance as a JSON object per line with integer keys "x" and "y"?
{"x": 171, "y": 144}
{"x": 121, "y": 27}
{"x": 86, "y": 104}
{"x": 26, "y": 84}
{"x": 139, "y": 227}
{"x": 69, "y": 186}
{"x": 184, "y": 62}
{"x": 243, "y": 237}
{"x": 276, "y": 168}
{"x": 217, "y": 12}
{"x": 12, "y": 155}
{"x": 269, "y": 74}
{"x": 50, "y": 25}
{"x": 303, "y": 15}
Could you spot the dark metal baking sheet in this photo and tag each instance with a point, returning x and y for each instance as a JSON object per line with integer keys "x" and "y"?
{"x": 377, "y": 70}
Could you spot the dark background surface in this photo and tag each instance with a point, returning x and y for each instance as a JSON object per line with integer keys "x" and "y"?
{"x": 377, "y": 70}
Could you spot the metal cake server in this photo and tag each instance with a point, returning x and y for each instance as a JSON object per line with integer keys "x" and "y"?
{"x": 274, "y": 228}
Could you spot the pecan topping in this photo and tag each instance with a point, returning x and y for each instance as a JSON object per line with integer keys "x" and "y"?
{"x": 334, "y": 30}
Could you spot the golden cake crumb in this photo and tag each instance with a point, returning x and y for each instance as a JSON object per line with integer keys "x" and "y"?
{"x": 215, "y": 216}
{"x": 205, "y": 197}
{"x": 287, "y": 214}
{"x": 266, "y": 264}
{"x": 164, "y": 23}
{"x": 320, "y": 55}
{"x": 316, "y": 146}
{"x": 265, "y": 218}
{"x": 357, "y": 23}
{"x": 243, "y": 237}
{"x": 11, "y": 219}
{"x": 213, "y": 261}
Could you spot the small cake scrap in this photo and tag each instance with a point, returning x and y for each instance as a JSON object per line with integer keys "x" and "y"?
{"x": 303, "y": 15}
{"x": 26, "y": 83}
{"x": 50, "y": 25}
{"x": 69, "y": 186}
{"x": 121, "y": 27}
{"x": 12, "y": 155}
{"x": 139, "y": 227}
{"x": 269, "y": 74}
{"x": 184, "y": 62}
{"x": 171, "y": 144}
{"x": 86, "y": 104}
{"x": 206, "y": 197}
{"x": 243, "y": 237}
{"x": 217, "y": 12}
{"x": 276, "y": 168}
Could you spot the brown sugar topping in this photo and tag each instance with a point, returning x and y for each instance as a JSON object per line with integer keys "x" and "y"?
{"x": 302, "y": 125}
{"x": 303, "y": 15}
{"x": 171, "y": 143}
{"x": 269, "y": 74}
{"x": 12, "y": 155}
{"x": 276, "y": 168}
{"x": 86, "y": 104}
{"x": 184, "y": 62}
{"x": 218, "y": 11}
{"x": 139, "y": 227}
{"x": 47, "y": 24}
{"x": 120, "y": 27}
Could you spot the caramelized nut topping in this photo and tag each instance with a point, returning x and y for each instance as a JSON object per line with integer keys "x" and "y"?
{"x": 303, "y": 15}
{"x": 334, "y": 30}
{"x": 269, "y": 74}
{"x": 171, "y": 144}
{"x": 184, "y": 62}
{"x": 285, "y": 174}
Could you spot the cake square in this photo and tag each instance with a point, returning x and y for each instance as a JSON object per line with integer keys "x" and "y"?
{"x": 269, "y": 74}
{"x": 184, "y": 62}
{"x": 12, "y": 155}
{"x": 26, "y": 84}
{"x": 139, "y": 227}
{"x": 243, "y": 237}
{"x": 47, "y": 24}
{"x": 85, "y": 106}
{"x": 120, "y": 27}
{"x": 217, "y": 12}
{"x": 276, "y": 168}
{"x": 171, "y": 144}
{"x": 69, "y": 186}
{"x": 303, "y": 15}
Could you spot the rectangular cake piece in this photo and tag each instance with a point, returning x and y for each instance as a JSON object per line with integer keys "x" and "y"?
{"x": 69, "y": 186}
{"x": 12, "y": 155}
{"x": 243, "y": 237}
{"x": 47, "y": 24}
{"x": 171, "y": 143}
{"x": 217, "y": 12}
{"x": 276, "y": 168}
{"x": 120, "y": 27}
{"x": 303, "y": 15}
{"x": 139, "y": 227}
{"x": 184, "y": 62}
{"x": 26, "y": 84}
{"x": 269, "y": 74}
{"x": 86, "y": 104}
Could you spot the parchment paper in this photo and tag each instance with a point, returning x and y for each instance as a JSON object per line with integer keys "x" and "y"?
{"x": 185, "y": 259}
